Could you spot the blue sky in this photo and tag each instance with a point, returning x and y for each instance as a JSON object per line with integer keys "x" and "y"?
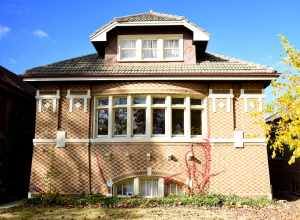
{"x": 35, "y": 32}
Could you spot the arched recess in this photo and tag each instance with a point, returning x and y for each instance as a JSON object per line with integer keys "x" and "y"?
{"x": 147, "y": 186}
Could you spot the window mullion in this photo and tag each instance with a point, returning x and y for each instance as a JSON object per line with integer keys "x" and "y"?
{"x": 187, "y": 117}
{"x": 110, "y": 116}
{"x": 129, "y": 116}
{"x": 160, "y": 49}
{"x": 139, "y": 49}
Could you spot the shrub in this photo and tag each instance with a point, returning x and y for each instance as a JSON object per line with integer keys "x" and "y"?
{"x": 210, "y": 200}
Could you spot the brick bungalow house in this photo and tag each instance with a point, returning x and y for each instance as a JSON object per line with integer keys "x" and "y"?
{"x": 150, "y": 113}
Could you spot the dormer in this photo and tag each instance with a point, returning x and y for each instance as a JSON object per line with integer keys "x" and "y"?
{"x": 150, "y": 37}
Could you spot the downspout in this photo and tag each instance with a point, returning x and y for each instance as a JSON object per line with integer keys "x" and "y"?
{"x": 89, "y": 140}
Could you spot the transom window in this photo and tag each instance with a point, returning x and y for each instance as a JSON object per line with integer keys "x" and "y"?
{"x": 150, "y": 47}
{"x": 148, "y": 116}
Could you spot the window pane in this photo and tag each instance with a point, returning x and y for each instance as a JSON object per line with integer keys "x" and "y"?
{"x": 195, "y": 101}
{"x": 171, "y": 53}
{"x": 102, "y": 122}
{"x": 171, "y": 43}
{"x": 158, "y": 121}
{"x": 128, "y": 44}
{"x": 176, "y": 101}
{"x": 149, "y": 187}
{"x": 124, "y": 188}
{"x": 102, "y": 101}
{"x": 139, "y": 121}
{"x": 139, "y": 100}
{"x": 127, "y": 54}
{"x": 150, "y": 53}
{"x": 159, "y": 100}
{"x": 120, "y": 101}
{"x": 120, "y": 119}
{"x": 150, "y": 44}
{"x": 177, "y": 121}
{"x": 196, "y": 125}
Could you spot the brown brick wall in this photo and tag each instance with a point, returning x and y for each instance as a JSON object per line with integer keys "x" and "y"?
{"x": 63, "y": 169}
{"x": 243, "y": 171}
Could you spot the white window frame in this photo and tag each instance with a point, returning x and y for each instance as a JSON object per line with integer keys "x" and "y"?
{"x": 160, "y": 47}
{"x": 149, "y": 136}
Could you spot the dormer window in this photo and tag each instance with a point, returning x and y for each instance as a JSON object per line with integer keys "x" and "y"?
{"x": 171, "y": 48}
{"x": 149, "y": 49}
{"x": 166, "y": 47}
{"x": 128, "y": 49}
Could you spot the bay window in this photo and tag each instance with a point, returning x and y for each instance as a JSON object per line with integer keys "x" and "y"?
{"x": 167, "y": 47}
{"x": 149, "y": 116}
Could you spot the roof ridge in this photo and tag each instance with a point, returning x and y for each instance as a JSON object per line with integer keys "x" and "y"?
{"x": 151, "y": 12}
{"x": 234, "y": 59}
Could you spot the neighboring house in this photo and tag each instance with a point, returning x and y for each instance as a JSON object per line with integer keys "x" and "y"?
{"x": 17, "y": 114}
{"x": 122, "y": 120}
{"x": 285, "y": 178}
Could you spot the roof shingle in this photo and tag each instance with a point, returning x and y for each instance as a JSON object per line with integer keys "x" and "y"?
{"x": 92, "y": 65}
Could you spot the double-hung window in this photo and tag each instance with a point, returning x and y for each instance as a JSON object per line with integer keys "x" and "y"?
{"x": 171, "y": 49}
{"x": 165, "y": 47}
{"x": 128, "y": 49}
{"x": 149, "y": 49}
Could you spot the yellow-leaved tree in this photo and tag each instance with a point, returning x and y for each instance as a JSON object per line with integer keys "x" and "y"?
{"x": 283, "y": 133}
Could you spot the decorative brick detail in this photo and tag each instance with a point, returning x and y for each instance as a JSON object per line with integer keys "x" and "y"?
{"x": 221, "y": 118}
{"x": 246, "y": 121}
{"x": 75, "y": 123}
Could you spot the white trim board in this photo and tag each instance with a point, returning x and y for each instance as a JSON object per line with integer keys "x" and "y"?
{"x": 198, "y": 34}
{"x": 58, "y": 79}
{"x": 153, "y": 139}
